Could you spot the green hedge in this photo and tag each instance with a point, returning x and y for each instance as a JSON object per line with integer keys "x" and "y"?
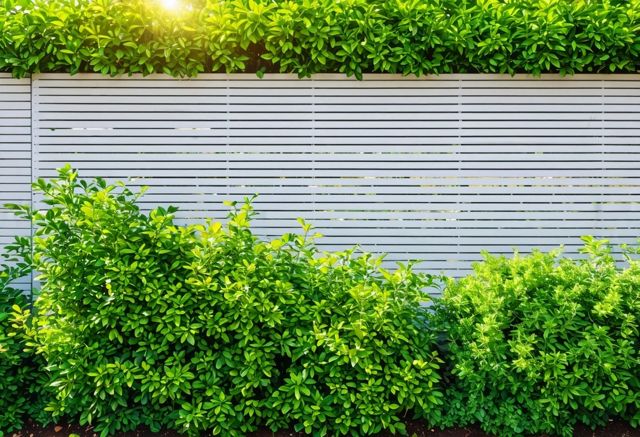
{"x": 310, "y": 36}
{"x": 539, "y": 343}
{"x": 206, "y": 327}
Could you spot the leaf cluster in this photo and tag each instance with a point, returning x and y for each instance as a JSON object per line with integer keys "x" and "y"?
{"x": 311, "y": 36}
{"x": 207, "y": 327}
{"x": 23, "y": 383}
{"x": 539, "y": 343}
{"x": 210, "y": 328}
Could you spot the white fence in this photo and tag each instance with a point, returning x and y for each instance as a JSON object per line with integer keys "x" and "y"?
{"x": 436, "y": 168}
{"x": 15, "y": 155}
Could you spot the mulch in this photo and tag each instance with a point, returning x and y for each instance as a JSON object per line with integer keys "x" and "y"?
{"x": 415, "y": 429}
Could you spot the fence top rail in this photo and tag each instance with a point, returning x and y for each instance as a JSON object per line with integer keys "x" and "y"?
{"x": 342, "y": 77}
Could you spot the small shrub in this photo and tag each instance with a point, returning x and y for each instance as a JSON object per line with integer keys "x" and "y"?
{"x": 369, "y": 357}
{"x": 208, "y": 328}
{"x": 22, "y": 377}
{"x": 108, "y": 319}
{"x": 539, "y": 343}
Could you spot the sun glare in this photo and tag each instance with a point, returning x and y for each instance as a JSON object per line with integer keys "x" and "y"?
{"x": 171, "y": 5}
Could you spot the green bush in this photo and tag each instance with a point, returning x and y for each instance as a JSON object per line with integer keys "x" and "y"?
{"x": 309, "y": 36}
{"x": 22, "y": 376}
{"x": 539, "y": 343}
{"x": 207, "y": 327}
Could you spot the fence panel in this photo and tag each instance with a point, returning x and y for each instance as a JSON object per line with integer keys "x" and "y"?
{"x": 15, "y": 157}
{"x": 435, "y": 168}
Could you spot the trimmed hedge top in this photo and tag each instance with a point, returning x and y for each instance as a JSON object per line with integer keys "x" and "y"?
{"x": 312, "y": 36}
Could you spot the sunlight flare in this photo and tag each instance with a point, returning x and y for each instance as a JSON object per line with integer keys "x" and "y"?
{"x": 171, "y": 5}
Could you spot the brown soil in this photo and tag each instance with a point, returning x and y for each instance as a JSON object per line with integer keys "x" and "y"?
{"x": 415, "y": 429}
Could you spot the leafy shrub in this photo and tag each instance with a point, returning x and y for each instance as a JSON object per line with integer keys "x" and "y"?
{"x": 207, "y": 327}
{"x": 538, "y": 343}
{"x": 22, "y": 377}
{"x": 310, "y": 36}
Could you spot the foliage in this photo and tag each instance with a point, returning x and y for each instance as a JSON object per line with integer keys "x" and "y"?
{"x": 22, "y": 377}
{"x": 310, "y": 36}
{"x": 207, "y": 327}
{"x": 538, "y": 343}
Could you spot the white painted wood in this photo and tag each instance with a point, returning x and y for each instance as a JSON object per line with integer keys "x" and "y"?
{"x": 15, "y": 158}
{"x": 435, "y": 168}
